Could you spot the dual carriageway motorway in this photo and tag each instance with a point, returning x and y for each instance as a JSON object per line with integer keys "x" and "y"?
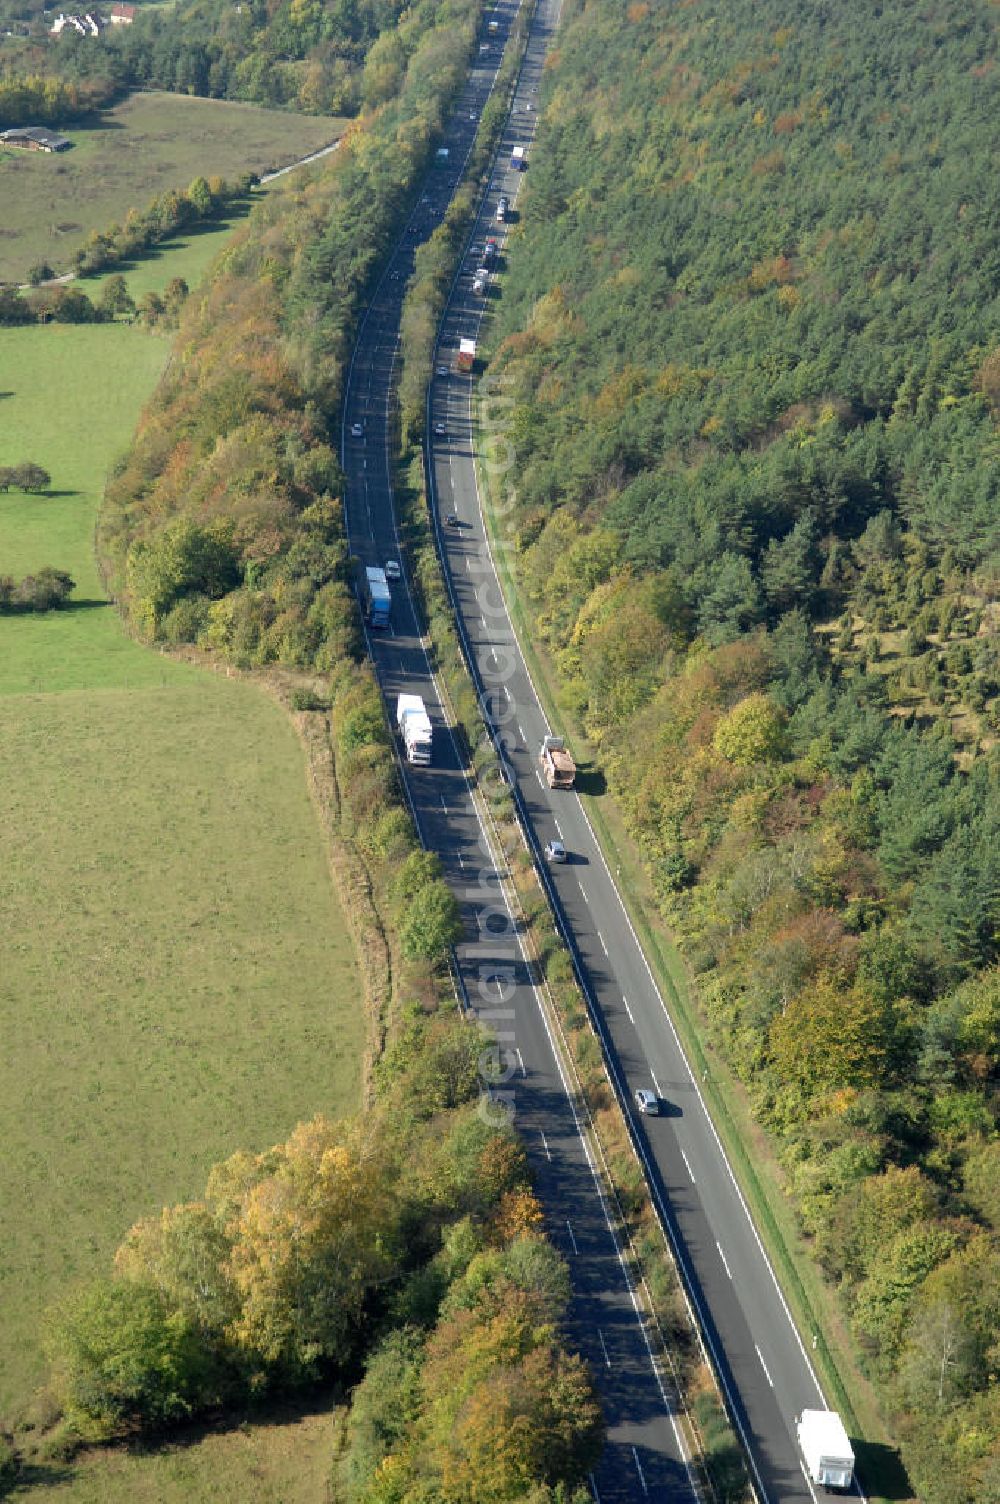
{"x": 758, "y": 1355}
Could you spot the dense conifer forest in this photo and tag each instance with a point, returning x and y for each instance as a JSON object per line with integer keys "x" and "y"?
{"x": 751, "y": 336}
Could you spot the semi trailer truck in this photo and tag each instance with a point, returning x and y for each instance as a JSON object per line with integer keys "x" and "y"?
{"x": 825, "y": 1446}
{"x": 377, "y": 598}
{"x": 415, "y": 728}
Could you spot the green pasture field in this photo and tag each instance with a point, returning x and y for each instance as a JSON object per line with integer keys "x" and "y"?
{"x": 188, "y": 257}
{"x": 177, "y": 980}
{"x": 144, "y": 146}
{"x": 70, "y": 397}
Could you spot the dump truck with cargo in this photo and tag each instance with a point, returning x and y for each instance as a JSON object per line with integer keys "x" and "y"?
{"x": 415, "y": 728}
{"x": 466, "y": 354}
{"x": 825, "y": 1446}
{"x": 558, "y": 767}
{"x": 377, "y": 598}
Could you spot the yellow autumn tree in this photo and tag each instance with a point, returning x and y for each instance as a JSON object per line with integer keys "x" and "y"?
{"x": 306, "y": 1249}
{"x": 827, "y": 1038}
{"x": 752, "y": 731}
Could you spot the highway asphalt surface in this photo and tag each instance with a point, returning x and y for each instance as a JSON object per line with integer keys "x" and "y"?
{"x": 645, "y": 1455}
{"x": 759, "y": 1357}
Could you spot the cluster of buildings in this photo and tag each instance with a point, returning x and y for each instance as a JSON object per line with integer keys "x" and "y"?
{"x": 90, "y": 24}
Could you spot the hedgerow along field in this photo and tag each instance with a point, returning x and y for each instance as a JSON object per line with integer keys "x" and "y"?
{"x": 143, "y": 146}
{"x": 177, "y": 978}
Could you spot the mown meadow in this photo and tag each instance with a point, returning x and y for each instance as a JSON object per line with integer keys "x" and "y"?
{"x": 177, "y": 976}
{"x": 143, "y": 146}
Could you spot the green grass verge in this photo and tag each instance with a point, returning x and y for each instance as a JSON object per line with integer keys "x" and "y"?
{"x": 811, "y": 1301}
{"x": 144, "y": 146}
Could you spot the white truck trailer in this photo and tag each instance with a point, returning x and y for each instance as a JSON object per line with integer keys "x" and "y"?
{"x": 415, "y": 728}
{"x": 826, "y": 1448}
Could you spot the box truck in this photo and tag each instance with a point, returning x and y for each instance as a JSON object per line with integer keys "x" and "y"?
{"x": 557, "y": 765}
{"x": 415, "y": 728}
{"x": 378, "y": 601}
{"x": 518, "y": 159}
{"x": 828, "y": 1455}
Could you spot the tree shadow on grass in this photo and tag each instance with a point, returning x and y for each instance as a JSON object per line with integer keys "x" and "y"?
{"x": 179, "y": 242}
{"x": 279, "y": 1412}
{"x": 283, "y": 1412}
{"x": 94, "y": 123}
{"x": 44, "y": 1475}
